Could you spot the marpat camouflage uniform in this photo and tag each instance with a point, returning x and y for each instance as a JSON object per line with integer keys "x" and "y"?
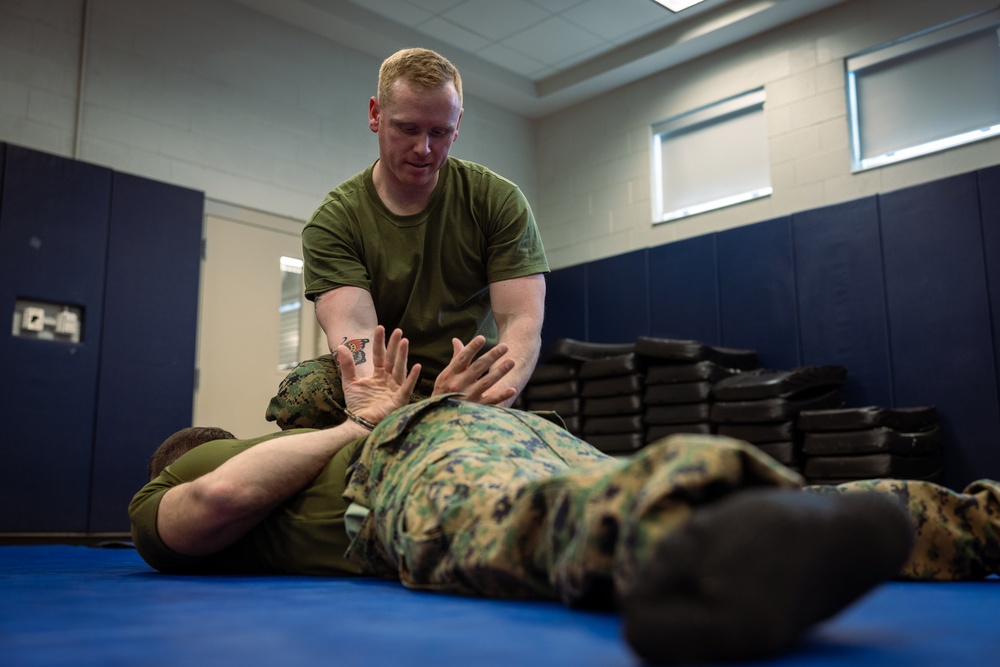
{"x": 311, "y": 396}
{"x": 957, "y": 535}
{"x": 503, "y": 503}
{"x": 495, "y": 502}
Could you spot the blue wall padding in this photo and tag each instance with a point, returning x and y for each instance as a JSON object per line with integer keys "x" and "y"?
{"x": 565, "y": 305}
{"x": 618, "y": 296}
{"x": 757, "y": 288}
{"x": 85, "y": 416}
{"x": 939, "y": 316}
{"x": 903, "y": 289}
{"x": 842, "y": 319}
{"x": 989, "y": 200}
{"x": 684, "y": 290}
{"x": 151, "y": 317}
{"x": 53, "y": 245}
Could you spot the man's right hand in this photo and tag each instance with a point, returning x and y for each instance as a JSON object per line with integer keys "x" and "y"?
{"x": 474, "y": 377}
{"x": 388, "y": 387}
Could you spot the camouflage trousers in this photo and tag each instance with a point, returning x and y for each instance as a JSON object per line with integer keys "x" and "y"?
{"x": 494, "y": 502}
{"x": 311, "y": 396}
{"x": 957, "y": 535}
{"x": 501, "y": 503}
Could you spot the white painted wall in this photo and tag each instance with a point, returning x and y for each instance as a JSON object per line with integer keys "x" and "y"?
{"x": 210, "y": 95}
{"x": 593, "y": 160}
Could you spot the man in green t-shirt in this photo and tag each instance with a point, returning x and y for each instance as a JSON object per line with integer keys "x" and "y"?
{"x": 708, "y": 547}
{"x": 442, "y": 248}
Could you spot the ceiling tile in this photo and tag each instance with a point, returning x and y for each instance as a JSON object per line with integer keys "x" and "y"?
{"x": 558, "y": 6}
{"x": 515, "y": 61}
{"x": 496, "y": 20}
{"x": 448, "y": 32}
{"x": 395, "y": 10}
{"x": 432, "y": 6}
{"x": 554, "y": 41}
{"x": 607, "y": 19}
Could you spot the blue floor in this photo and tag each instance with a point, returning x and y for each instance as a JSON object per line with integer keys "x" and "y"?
{"x": 81, "y": 606}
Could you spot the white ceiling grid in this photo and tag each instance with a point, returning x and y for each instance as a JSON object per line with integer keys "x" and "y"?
{"x": 536, "y": 57}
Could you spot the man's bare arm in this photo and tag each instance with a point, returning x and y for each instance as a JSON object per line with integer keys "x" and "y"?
{"x": 212, "y": 512}
{"x": 347, "y": 316}
{"x": 209, "y": 514}
{"x": 519, "y": 308}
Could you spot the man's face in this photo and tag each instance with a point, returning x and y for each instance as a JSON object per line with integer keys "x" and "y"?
{"x": 415, "y": 132}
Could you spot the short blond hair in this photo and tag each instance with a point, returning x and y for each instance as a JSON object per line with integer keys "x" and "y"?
{"x": 421, "y": 67}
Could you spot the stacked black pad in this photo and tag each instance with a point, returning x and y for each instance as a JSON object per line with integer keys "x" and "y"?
{"x": 679, "y": 379}
{"x": 871, "y": 442}
{"x": 555, "y": 387}
{"x": 762, "y": 406}
{"x": 612, "y": 403}
{"x": 555, "y": 383}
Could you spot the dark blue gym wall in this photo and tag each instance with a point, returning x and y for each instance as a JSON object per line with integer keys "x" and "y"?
{"x": 82, "y": 417}
{"x": 147, "y": 374}
{"x": 53, "y": 247}
{"x": 901, "y": 288}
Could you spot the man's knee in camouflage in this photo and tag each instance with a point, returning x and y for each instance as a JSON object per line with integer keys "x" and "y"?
{"x": 312, "y": 396}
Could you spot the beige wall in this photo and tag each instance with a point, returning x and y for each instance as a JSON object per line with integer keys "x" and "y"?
{"x": 209, "y": 95}
{"x": 593, "y": 161}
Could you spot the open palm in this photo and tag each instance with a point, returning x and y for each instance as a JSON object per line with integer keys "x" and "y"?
{"x": 390, "y": 385}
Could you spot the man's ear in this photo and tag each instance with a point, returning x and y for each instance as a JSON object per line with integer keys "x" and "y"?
{"x": 373, "y": 114}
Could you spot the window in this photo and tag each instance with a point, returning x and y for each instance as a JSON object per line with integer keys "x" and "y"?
{"x": 289, "y": 312}
{"x": 925, "y": 93}
{"x": 711, "y": 157}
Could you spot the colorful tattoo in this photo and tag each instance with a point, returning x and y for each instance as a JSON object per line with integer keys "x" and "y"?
{"x": 357, "y": 348}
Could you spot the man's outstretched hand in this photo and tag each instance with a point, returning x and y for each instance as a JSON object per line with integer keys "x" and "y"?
{"x": 476, "y": 378}
{"x": 390, "y": 385}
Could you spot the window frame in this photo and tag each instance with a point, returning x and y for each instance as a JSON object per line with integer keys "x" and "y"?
{"x": 904, "y": 51}
{"x": 704, "y": 119}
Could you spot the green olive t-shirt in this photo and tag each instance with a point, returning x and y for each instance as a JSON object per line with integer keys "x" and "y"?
{"x": 428, "y": 273}
{"x": 306, "y": 535}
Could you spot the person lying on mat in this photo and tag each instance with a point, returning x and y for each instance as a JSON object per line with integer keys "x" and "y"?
{"x": 443, "y": 248}
{"x": 708, "y": 547}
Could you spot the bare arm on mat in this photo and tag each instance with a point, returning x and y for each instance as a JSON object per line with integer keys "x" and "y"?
{"x": 210, "y": 513}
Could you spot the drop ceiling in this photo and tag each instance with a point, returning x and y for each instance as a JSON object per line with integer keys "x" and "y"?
{"x": 536, "y": 57}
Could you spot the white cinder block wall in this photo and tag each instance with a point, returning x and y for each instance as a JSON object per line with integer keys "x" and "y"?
{"x": 593, "y": 161}
{"x": 211, "y": 95}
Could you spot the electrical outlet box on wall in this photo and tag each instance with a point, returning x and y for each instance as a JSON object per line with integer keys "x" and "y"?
{"x": 47, "y": 321}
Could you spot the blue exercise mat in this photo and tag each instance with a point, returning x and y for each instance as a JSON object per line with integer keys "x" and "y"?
{"x": 83, "y": 606}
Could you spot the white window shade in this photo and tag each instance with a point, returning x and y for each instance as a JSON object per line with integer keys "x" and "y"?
{"x": 290, "y": 312}
{"x": 711, "y": 157}
{"x": 926, "y": 93}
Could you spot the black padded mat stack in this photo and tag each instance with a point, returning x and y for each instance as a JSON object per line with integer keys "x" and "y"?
{"x": 555, "y": 384}
{"x": 679, "y": 379}
{"x": 612, "y": 403}
{"x": 555, "y": 387}
{"x": 762, "y": 406}
{"x": 871, "y": 442}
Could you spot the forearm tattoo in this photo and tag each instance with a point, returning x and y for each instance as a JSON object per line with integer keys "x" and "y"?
{"x": 357, "y": 348}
